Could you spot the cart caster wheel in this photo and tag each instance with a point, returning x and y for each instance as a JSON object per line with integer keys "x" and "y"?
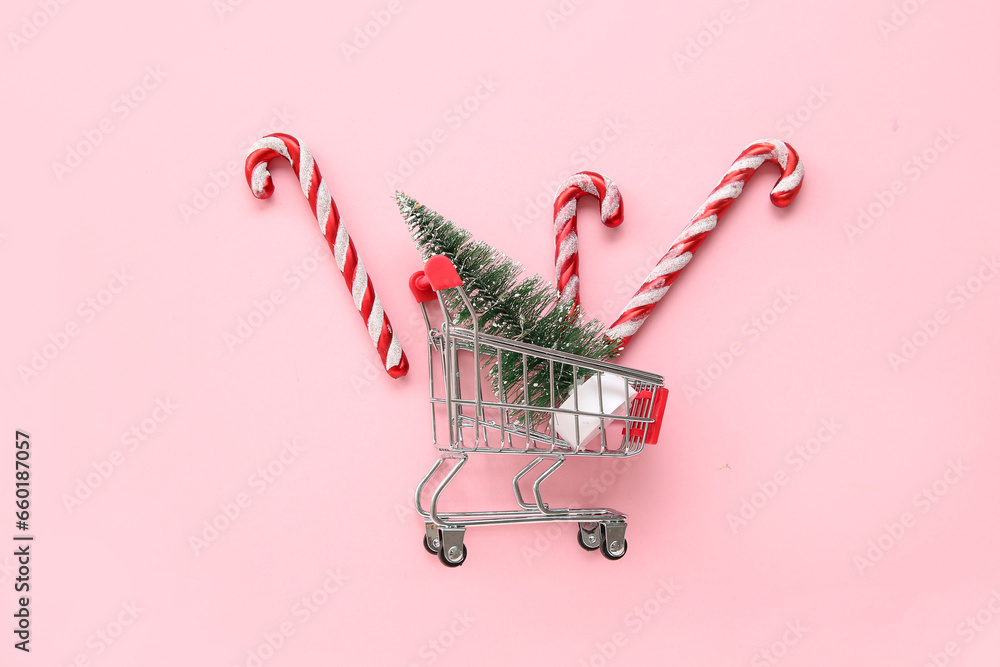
{"x": 454, "y": 563}
{"x": 614, "y": 551}
{"x": 590, "y": 540}
{"x": 432, "y": 546}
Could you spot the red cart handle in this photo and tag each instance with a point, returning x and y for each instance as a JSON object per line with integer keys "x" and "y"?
{"x": 441, "y": 273}
{"x": 421, "y": 287}
{"x": 640, "y": 404}
{"x": 438, "y": 274}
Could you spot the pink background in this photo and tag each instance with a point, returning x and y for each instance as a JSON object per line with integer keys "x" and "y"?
{"x": 865, "y": 101}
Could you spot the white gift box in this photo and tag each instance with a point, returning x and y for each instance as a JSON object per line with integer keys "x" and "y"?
{"x": 610, "y": 398}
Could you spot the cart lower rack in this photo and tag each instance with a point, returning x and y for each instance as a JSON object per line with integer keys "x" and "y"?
{"x": 613, "y": 411}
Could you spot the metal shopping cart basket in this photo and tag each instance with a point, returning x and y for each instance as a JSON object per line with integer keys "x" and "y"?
{"x": 472, "y": 414}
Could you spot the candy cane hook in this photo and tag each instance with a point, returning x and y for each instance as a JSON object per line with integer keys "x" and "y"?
{"x": 567, "y": 241}
{"x": 705, "y": 219}
{"x": 323, "y": 207}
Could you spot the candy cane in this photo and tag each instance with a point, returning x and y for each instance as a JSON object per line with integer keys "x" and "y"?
{"x": 567, "y": 241}
{"x": 323, "y": 207}
{"x": 669, "y": 267}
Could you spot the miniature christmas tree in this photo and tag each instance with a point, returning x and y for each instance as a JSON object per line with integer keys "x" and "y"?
{"x": 524, "y": 310}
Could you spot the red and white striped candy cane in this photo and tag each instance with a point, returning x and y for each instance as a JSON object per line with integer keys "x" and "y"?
{"x": 567, "y": 241}
{"x": 669, "y": 267}
{"x": 316, "y": 191}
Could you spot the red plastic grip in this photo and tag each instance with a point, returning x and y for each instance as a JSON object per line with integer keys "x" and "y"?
{"x": 441, "y": 273}
{"x": 421, "y": 287}
{"x": 652, "y": 431}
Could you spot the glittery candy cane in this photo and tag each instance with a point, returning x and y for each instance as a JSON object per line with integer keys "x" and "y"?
{"x": 316, "y": 191}
{"x": 669, "y": 267}
{"x": 567, "y": 241}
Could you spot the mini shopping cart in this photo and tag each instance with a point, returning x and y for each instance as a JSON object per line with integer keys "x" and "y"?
{"x": 511, "y": 422}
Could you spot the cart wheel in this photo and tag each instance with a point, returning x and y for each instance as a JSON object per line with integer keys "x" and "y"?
{"x": 589, "y": 539}
{"x": 431, "y": 549}
{"x": 454, "y": 563}
{"x": 613, "y": 553}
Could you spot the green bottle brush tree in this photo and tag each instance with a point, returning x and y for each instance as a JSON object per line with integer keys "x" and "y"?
{"x": 524, "y": 310}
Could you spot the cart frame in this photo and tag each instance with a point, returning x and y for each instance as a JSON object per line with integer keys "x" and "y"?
{"x": 518, "y": 425}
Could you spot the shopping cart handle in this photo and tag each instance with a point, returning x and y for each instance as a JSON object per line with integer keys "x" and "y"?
{"x": 421, "y": 287}
{"x": 649, "y": 433}
{"x": 441, "y": 273}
